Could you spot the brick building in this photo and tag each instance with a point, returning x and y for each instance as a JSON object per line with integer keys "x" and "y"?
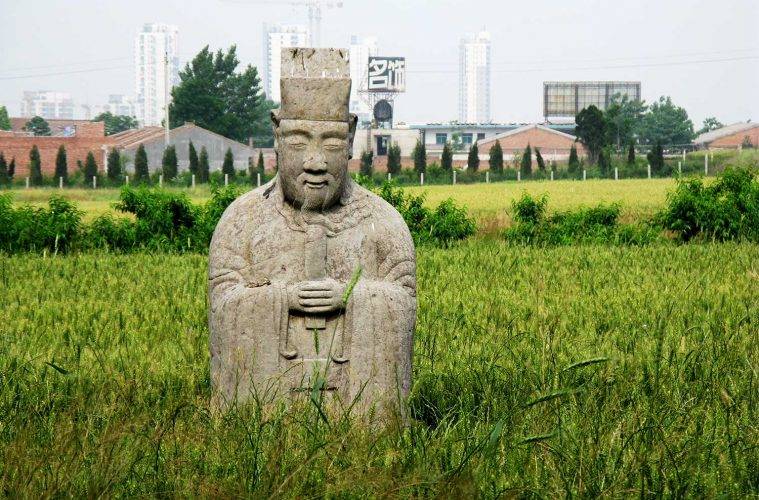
{"x": 553, "y": 144}
{"x": 79, "y": 137}
{"x": 730, "y": 137}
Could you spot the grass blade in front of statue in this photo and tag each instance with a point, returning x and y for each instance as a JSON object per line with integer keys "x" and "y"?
{"x": 320, "y": 382}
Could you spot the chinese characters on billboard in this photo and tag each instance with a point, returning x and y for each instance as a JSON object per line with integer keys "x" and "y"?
{"x": 387, "y": 74}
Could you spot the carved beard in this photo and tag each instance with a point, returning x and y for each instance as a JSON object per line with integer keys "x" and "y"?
{"x": 312, "y": 199}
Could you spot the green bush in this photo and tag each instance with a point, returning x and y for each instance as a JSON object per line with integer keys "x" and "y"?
{"x": 725, "y": 210}
{"x": 593, "y": 225}
{"x": 27, "y": 228}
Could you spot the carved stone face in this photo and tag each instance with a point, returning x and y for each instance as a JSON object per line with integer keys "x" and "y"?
{"x": 313, "y": 161}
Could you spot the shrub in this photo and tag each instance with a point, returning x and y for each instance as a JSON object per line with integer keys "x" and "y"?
{"x": 61, "y": 164}
{"x": 228, "y": 166}
{"x": 29, "y": 228}
{"x": 573, "y": 165}
{"x": 169, "y": 163}
{"x": 141, "y": 171}
{"x": 725, "y": 210}
{"x": 367, "y": 163}
{"x": 394, "y": 159}
{"x": 526, "y": 164}
{"x": 114, "y": 165}
{"x": 420, "y": 157}
{"x": 496, "y": 158}
{"x": 473, "y": 159}
{"x": 35, "y": 166}
{"x": 446, "y": 158}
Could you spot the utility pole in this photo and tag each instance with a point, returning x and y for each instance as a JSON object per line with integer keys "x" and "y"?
{"x": 166, "y": 96}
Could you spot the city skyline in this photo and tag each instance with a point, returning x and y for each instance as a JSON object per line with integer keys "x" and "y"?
{"x": 706, "y": 62}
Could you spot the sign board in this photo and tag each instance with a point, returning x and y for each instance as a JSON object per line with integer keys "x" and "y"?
{"x": 387, "y": 74}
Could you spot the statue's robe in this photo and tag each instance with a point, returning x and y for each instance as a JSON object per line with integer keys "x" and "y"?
{"x": 261, "y": 350}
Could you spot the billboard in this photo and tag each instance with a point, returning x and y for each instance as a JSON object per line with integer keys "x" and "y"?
{"x": 387, "y": 74}
{"x": 565, "y": 99}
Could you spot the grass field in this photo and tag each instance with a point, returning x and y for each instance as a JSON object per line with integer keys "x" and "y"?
{"x": 489, "y": 203}
{"x": 614, "y": 371}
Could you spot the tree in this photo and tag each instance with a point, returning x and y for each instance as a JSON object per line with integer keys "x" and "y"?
{"x": 61, "y": 164}
{"x": 114, "y": 165}
{"x": 473, "y": 159}
{"x": 367, "y": 163}
{"x": 655, "y": 158}
{"x": 115, "y": 123}
{"x": 228, "y": 167}
{"x": 35, "y": 166}
{"x": 394, "y": 159}
{"x": 169, "y": 163}
{"x": 5, "y": 122}
{"x": 4, "y": 177}
{"x": 631, "y": 154}
{"x": 90, "y": 167}
{"x": 261, "y": 166}
{"x": 446, "y": 158}
{"x": 573, "y": 166}
{"x": 591, "y": 130}
{"x": 526, "y": 165}
{"x": 623, "y": 118}
{"x": 214, "y": 96}
{"x": 203, "y": 167}
{"x": 667, "y": 124}
{"x": 193, "y": 155}
{"x": 38, "y": 126}
{"x": 12, "y": 168}
{"x": 540, "y": 161}
{"x": 496, "y": 158}
{"x": 420, "y": 157}
{"x": 710, "y": 124}
{"x": 747, "y": 143}
{"x": 141, "y": 171}
{"x": 604, "y": 162}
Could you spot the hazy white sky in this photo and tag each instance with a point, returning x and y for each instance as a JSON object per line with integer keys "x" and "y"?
{"x": 705, "y": 54}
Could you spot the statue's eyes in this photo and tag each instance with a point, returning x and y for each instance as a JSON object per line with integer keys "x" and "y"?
{"x": 296, "y": 142}
{"x": 334, "y": 144}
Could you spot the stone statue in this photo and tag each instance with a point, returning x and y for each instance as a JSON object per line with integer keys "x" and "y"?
{"x": 284, "y": 257}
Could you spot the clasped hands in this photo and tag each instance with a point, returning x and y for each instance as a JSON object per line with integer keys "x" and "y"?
{"x": 316, "y": 296}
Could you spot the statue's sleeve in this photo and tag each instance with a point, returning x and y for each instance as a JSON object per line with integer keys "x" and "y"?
{"x": 247, "y": 316}
{"x": 380, "y": 319}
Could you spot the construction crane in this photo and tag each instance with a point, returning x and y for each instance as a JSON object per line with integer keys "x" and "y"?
{"x": 314, "y": 8}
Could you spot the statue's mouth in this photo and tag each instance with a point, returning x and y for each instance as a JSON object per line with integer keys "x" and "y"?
{"x": 311, "y": 184}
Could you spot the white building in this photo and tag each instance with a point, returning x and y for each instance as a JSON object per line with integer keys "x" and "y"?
{"x": 474, "y": 78}
{"x": 47, "y": 104}
{"x": 360, "y": 49}
{"x": 152, "y": 46}
{"x": 277, "y": 37}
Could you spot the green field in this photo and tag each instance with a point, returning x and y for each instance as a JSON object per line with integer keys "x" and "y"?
{"x": 489, "y": 203}
{"x": 588, "y": 370}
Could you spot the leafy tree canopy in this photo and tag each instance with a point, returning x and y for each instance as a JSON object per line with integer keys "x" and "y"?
{"x": 710, "y": 124}
{"x": 591, "y": 130}
{"x": 623, "y": 117}
{"x": 38, "y": 126}
{"x": 115, "y": 123}
{"x": 214, "y": 96}
{"x": 666, "y": 123}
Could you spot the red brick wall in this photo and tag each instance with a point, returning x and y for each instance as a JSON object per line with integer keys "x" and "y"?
{"x": 76, "y": 149}
{"x": 735, "y": 140}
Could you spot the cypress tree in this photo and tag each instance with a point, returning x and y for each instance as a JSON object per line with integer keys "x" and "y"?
{"x": 574, "y": 162}
{"x": 656, "y": 158}
{"x": 193, "y": 155}
{"x": 169, "y": 163}
{"x": 114, "y": 165}
{"x": 473, "y": 160}
{"x": 367, "y": 163}
{"x": 35, "y": 166}
{"x": 526, "y": 166}
{"x": 12, "y": 168}
{"x": 394, "y": 159}
{"x": 203, "y": 167}
{"x": 4, "y": 178}
{"x": 496, "y": 158}
{"x": 141, "y": 171}
{"x": 446, "y": 159}
{"x": 90, "y": 167}
{"x": 631, "y": 154}
{"x": 261, "y": 166}
{"x": 228, "y": 167}
{"x": 420, "y": 157}
{"x": 604, "y": 162}
{"x": 540, "y": 161}
{"x": 61, "y": 164}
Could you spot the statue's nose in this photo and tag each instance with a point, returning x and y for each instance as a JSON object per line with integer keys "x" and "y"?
{"x": 315, "y": 162}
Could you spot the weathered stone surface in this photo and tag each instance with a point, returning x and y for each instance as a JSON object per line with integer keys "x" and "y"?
{"x": 283, "y": 255}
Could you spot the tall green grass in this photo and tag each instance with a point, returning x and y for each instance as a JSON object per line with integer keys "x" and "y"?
{"x": 583, "y": 370}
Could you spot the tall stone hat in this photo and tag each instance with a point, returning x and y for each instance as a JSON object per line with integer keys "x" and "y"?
{"x": 315, "y": 84}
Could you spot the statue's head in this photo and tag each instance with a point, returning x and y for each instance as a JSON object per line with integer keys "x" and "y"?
{"x": 313, "y": 128}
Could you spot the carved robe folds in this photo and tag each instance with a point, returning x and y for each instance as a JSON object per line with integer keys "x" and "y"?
{"x": 260, "y": 349}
